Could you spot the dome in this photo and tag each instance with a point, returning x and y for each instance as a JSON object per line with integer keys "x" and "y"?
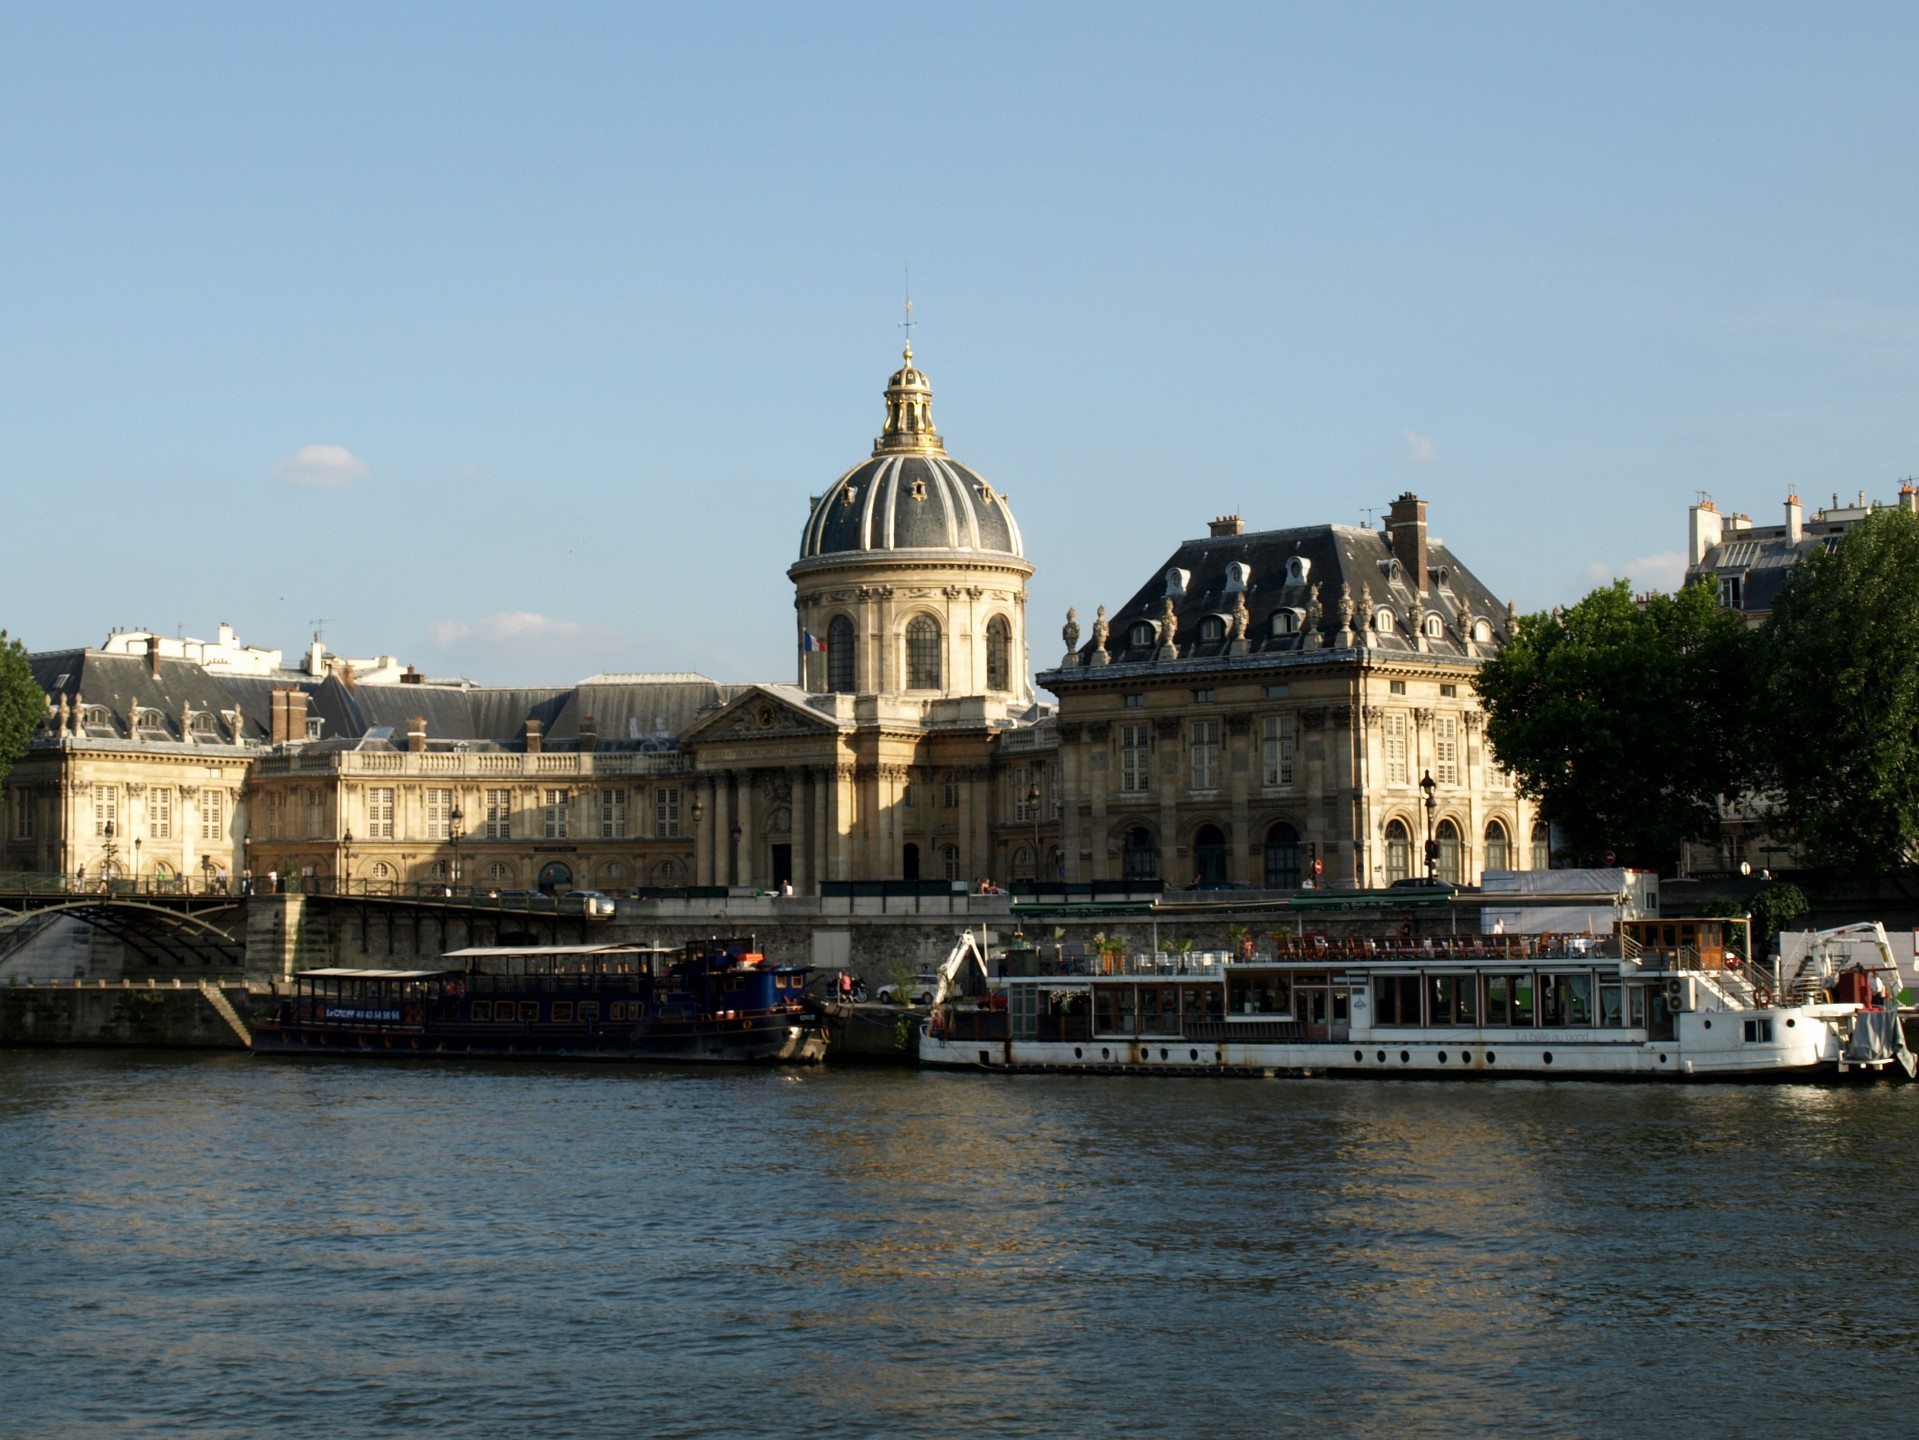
{"x": 911, "y": 495}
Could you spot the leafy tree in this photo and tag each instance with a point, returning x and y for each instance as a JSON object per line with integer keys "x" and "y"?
{"x": 1774, "y": 908}
{"x": 21, "y": 702}
{"x": 1626, "y": 719}
{"x": 1841, "y": 698}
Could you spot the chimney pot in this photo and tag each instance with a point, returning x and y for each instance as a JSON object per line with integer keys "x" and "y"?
{"x": 534, "y": 741}
{"x": 415, "y": 734}
{"x": 1226, "y": 525}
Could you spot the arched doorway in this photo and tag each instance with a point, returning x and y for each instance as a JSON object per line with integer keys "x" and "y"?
{"x": 909, "y": 861}
{"x": 1282, "y": 857}
{"x": 1451, "y": 853}
{"x": 1209, "y": 855}
{"x": 1139, "y": 856}
{"x": 1399, "y": 851}
{"x": 556, "y": 875}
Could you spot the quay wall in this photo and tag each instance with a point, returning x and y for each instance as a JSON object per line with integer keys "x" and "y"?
{"x": 119, "y": 1013}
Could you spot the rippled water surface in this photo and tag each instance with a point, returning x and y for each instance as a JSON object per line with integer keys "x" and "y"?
{"x": 220, "y": 1246}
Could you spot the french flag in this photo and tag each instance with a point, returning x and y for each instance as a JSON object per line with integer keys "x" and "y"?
{"x": 810, "y": 645}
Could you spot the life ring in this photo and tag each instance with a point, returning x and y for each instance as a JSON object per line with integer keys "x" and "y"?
{"x": 1762, "y": 996}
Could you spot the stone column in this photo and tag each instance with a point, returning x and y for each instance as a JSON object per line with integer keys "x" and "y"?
{"x": 722, "y": 813}
{"x": 747, "y": 798}
{"x": 1246, "y": 856}
{"x": 819, "y": 808}
{"x": 841, "y": 823}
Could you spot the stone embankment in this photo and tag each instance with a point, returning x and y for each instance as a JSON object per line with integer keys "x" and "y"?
{"x": 181, "y": 1014}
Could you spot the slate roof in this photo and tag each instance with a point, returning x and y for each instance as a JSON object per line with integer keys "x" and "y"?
{"x": 1332, "y": 556}
{"x": 910, "y": 502}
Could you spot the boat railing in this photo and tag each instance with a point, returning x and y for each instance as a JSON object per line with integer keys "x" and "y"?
{"x": 1548, "y": 946}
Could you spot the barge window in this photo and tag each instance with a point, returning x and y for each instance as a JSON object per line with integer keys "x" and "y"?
{"x": 1256, "y": 994}
{"x": 589, "y": 1010}
{"x": 562, "y": 1011}
{"x": 480, "y": 1010}
{"x": 1636, "y": 1007}
{"x": 616, "y": 1011}
{"x": 1565, "y": 1000}
{"x": 1759, "y": 1032}
{"x": 1509, "y": 1000}
{"x": 1396, "y": 1000}
{"x": 1454, "y": 999}
{"x": 529, "y": 1009}
{"x": 1611, "y": 1013}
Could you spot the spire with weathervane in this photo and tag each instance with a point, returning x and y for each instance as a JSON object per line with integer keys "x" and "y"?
{"x": 909, "y": 406}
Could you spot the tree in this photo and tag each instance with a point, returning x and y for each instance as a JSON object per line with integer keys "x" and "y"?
{"x": 1840, "y": 701}
{"x": 1626, "y": 719}
{"x": 21, "y": 702}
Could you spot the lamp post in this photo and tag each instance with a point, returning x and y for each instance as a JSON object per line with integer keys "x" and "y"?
{"x": 1432, "y": 846}
{"x": 109, "y": 850}
{"x": 453, "y": 819}
{"x": 1032, "y": 803}
{"x": 206, "y": 874}
{"x": 346, "y": 864}
{"x": 136, "y": 861}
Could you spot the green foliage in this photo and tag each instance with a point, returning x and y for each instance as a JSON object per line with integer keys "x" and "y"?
{"x": 1626, "y": 720}
{"x": 1841, "y": 698}
{"x": 21, "y": 702}
{"x": 1773, "y": 909}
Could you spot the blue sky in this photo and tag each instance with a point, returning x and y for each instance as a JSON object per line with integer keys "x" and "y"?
{"x": 513, "y": 339}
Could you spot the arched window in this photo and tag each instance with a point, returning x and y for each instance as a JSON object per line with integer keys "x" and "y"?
{"x": 1282, "y": 858}
{"x": 205, "y": 727}
{"x": 1139, "y": 856}
{"x": 498, "y": 870}
{"x": 999, "y": 644}
{"x": 1451, "y": 853}
{"x": 1209, "y": 855}
{"x": 667, "y": 872}
{"x": 1212, "y": 628}
{"x": 1399, "y": 852}
{"x": 1496, "y": 848}
{"x": 922, "y": 653}
{"x": 1435, "y": 627}
{"x": 1383, "y": 620}
{"x": 1022, "y": 863}
{"x": 1141, "y": 635}
{"x": 1542, "y": 847}
{"x": 1482, "y": 632}
{"x": 842, "y": 655}
{"x": 1285, "y": 622}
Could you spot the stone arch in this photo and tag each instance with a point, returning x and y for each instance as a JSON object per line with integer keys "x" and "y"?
{"x": 1282, "y": 871}
{"x": 1399, "y": 850}
{"x": 1210, "y": 853}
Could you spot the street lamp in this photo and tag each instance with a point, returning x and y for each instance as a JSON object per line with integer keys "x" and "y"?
{"x": 346, "y": 864}
{"x": 109, "y": 850}
{"x": 453, "y": 819}
{"x": 136, "y": 860}
{"x": 1432, "y": 846}
{"x": 1032, "y": 803}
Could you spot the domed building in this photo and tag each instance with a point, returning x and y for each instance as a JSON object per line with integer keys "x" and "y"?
{"x": 911, "y": 748}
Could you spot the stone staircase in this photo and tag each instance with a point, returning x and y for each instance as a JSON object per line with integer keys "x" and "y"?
{"x": 216, "y": 997}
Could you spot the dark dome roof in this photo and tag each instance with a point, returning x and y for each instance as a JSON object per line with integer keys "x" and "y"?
{"x": 911, "y": 495}
{"x": 910, "y": 502}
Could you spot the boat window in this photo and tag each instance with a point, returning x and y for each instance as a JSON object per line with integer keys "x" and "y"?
{"x": 1453, "y": 999}
{"x": 482, "y": 1010}
{"x": 1759, "y": 1032}
{"x": 1636, "y": 1007}
{"x": 616, "y": 1011}
{"x": 1256, "y": 994}
{"x": 1611, "y": 1013}
{"x": 1396, "y": 1000}
{"x": 529, "y": 1009}
{"x": 589, "y": 1010}
{"x": 1509, "y": 1000}
{"x": 1565, "y": 1000}
{"x": 734, "y": 982}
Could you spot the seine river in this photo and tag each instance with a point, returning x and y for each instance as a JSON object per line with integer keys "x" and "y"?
{"x": 221, "y": 1246}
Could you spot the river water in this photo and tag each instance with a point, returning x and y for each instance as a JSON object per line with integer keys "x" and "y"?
{"x": 211, "y": 1245}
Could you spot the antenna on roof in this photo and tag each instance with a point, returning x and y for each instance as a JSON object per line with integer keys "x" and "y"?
{"x": 318, "y": 626}
{"x": 1369, "y": 511}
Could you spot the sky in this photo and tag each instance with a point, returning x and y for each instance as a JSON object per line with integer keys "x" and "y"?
{"x": 514, "y": 339}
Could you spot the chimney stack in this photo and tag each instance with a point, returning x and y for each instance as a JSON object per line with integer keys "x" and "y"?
{"x": 1704, "y": 527}
{"x": 1909, "y": 497}
{"x": 153, "y": 655}
{"x": 410, "y": 676}
{"x": 415, "y": 734}
{"x": 534, "y": 742}
{"x": 1407, "y": 523}
{"x": 277, "y": 718}
{"x": 1795, "y": 521}
{"x": 589, "y": 734}
{"x": 1226, "y": 525}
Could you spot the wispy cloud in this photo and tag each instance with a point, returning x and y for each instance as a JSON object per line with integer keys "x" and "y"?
{"x": 321, "y": 466}
{"x": 1420, "y": 447}
{"x": 514, "y": 627}
{"x": 1663, "y": 571}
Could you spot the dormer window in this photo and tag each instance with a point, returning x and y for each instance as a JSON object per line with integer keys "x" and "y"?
{"x": 1297, "y": 569}
{"x": 1482, "y": 632}
{"x": 1239, "y": 576}
{"x": 1212, "y": 628}
{"x": 1383, "y": 620}
{"x": 1142, "y": 635}
{"x": 96, "y": 717}
{"x": 1435, "y": 627}
{"x": 149, "y": 722}
{"x": 205, "y": 727}
{"x": 1285, "y": 622}
{"x": 1176, "y": 581}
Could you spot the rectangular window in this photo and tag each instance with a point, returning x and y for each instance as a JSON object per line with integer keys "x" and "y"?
{"x": 1051, "y": 787}
{"x": 1278, "y": 692}
{"x": 1448, "y": 692}
{"x": 563, "y": 1011}
{"x": 1135, "y": 757}
{"x": 159, "y": 812}
{"x": 499, "y": 814}
{"x": 379, "y": 812}
{"x": 1395, "y": 749}
{"x": 481, "y": 1010}
{"x": 1136, "y": 702}
{"x": 22, "y": 815}
{"x": 529, "y": 1010}
{"x": 1206, "y": 754}
{"x": 666, "y": 812}
{"x": 106, "y": 809}
{"x": 1025, "y": 800}
{"x": 316, "y": 815}
{"x": 1203, "y": 697}
{"x": 1446, "y": 749}
{"x": 1278, "y": 767}
{"x": 1732, "y": 590}
{"x": 213, "y": 814}
{"x": 275, "y": 804}
{"x": 949, "y": 791}
{"x": 553, "y": 815}
{"x": 439, "y": 813}
{"x": 1396, "y": 687}
{"x": 613, "y": 814}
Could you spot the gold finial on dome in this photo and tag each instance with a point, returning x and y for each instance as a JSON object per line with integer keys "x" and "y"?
{"x": 909, "y": 412}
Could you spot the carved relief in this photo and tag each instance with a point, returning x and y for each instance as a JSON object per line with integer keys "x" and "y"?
{"x": 1422, "y": 716}
{"x": 1372, "y": 714}
{"x": 1239, "y": 724}
{"x": 1167, "y": 727}
{"x": 1069, "y": 732}
{"x": 1313, "y": 718}
{"x": 1099, "y": 731}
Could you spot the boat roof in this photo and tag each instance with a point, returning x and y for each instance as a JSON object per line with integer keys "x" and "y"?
{"x": 343, "y": 972}
{"x": 497, "y": 952}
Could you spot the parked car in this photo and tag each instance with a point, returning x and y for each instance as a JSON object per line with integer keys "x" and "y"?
{"x": 1420, "y": 882}
{"x": 597, "y": 904}
{"x": 920, "y": 992}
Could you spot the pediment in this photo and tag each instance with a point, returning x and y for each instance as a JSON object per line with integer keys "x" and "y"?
{"x": 758, "y": 713}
